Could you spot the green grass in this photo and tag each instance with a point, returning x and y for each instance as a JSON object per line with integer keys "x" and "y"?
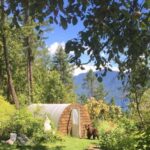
{"x": 69, "y": 143}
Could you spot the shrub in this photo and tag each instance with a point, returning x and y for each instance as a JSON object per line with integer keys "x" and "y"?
{"x": 25, "y": 123}
{"x": 97, "y": 109}
{"x": 115, "y": 112}
{"x": 106, "y": 127}
{"x": 7, "y": 111}
{"x": 100, "y": 110}
{"x": 144, "y": 140}
{"x": 119, "y": 135}
{"x": 117, "y": 140}
{"x": 41, "y": 137}
{"x": 128, "y": 124}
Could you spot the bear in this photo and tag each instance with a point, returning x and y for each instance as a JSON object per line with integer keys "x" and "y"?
{"x": 91, "y": 132}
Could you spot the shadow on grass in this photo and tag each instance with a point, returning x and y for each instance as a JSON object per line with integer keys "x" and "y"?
{"x": 36, "y": 147}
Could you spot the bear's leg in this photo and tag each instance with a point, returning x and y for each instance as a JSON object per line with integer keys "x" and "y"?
{"x": 89, "y": 136}
{"x": 94, "y": 137}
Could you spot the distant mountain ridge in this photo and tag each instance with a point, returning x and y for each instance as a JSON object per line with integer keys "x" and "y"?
{"x": 112, "y": 85}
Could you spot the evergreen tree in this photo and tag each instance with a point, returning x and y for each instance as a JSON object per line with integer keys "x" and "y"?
{"x": 99, "y": 92}
{"x": 5, "y": 49}
{"x": 94, "y": 87}
{"x": 82, "y": 99}
{"x": 55, "y": 91}
{"x": 112, "y": 101}
{"x": 62, "y": 65}
{"x": 41, "y": 70}
{"x": 90, "y": 83}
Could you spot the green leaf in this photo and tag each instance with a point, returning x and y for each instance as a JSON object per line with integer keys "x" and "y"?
{"x": 144, "y": 26}
{"x": 99, "y": 79}
{"x": 61, "y": 4}
{"x": 147, "y": 4}
{"x": 51, "y": 19}
{"x": 37, "y": 27}
{"x": 74, "y": 21}
{"x": 63, "y": 22}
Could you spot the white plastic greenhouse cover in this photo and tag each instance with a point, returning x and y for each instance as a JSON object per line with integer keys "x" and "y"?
{"x": 52, "y": 110}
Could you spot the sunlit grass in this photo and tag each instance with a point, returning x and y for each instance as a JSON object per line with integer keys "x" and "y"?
{"x": 71, "y": 143}
{"x": 68, "y": 143}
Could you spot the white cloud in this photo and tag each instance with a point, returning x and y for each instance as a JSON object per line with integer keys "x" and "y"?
{"x": 53, "y": 47}
{"x": 78, "y": 71}
{"x": 115, "y": 68}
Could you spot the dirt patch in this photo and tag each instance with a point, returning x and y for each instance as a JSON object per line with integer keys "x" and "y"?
{"x": 93, "y": 147}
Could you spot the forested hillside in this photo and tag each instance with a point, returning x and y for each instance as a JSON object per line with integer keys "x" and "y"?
{"x": 112, "y": 86}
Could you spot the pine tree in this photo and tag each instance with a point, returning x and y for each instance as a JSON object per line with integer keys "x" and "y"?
{"x": 3, "y": 36}
{"x": 90, "y": 82}
{"x": 94, "y": 87}
{"x": 99, "y": 92}
{"x": 62, "y": 65}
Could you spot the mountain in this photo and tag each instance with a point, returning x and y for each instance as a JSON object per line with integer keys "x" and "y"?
{"x": 112, "y": 85}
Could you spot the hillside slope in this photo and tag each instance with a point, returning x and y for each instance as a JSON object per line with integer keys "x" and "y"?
{"x": 112, "y": 86}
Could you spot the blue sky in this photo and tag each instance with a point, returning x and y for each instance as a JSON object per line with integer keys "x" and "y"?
{"x": 60, "y": 36}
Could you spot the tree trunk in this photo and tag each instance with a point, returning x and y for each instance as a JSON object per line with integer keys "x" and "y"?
{"x": 29, "y": 55}
{"x": 29, "y": 72}
{"x": 6, "y": 58}
{"x": 91, "y": 89}
{"x": 138, "y": 110}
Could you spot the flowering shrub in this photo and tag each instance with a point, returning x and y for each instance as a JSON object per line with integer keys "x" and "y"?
{"x": 97, "y": 109}
{"x": 115, "y": 112}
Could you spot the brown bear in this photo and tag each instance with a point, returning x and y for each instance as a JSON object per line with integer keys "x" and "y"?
{"x": 91, "y": 132}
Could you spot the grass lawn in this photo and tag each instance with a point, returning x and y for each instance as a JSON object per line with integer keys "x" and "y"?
{"x": 69, "y": 143}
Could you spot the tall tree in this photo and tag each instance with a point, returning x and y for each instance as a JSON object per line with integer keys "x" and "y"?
{"x": 90, "y": 82}
{"x": 6, "y": 56}
{"x": 62, "y": 65}
{"x": 56, "y": 91}
{"x": 94, "y": 87}
{"x": 41, "y": 70}
{"x": 27, "y": 22}
{"x": 99, "y": 92}
{"x": 138, "y": 84}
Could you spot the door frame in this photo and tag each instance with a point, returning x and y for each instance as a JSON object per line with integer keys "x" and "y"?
{"x": 79, "y": 123}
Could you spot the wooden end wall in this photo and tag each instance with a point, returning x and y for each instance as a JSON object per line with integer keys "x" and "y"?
{"x": 65, "y": 121}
